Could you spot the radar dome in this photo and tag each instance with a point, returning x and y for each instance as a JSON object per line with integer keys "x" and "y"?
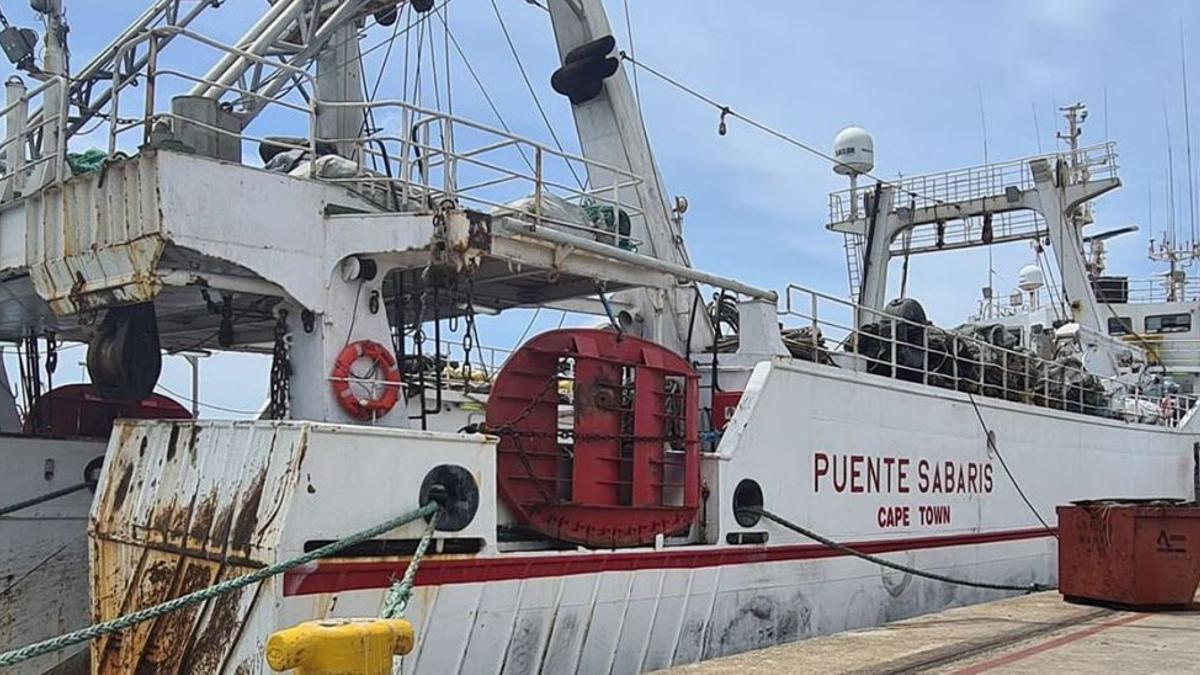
{"x": 854, "y": 149}
{"x": 1030, "y": 278}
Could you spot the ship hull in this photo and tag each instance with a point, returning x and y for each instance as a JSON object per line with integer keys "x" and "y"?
{"x": 43, "y": 548}
{"x": 678, "y": 609}
{"x": 894, "y": 468}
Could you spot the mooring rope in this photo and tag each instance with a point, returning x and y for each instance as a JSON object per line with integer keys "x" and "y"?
{"x": 5, "y": 510}
{"x": 429, "y": 510}
{"x": 799, "y": 529}
{"x": 398, "y": 595}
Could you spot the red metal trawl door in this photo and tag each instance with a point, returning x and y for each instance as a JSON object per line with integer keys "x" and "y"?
{"x": 598, "y": 437}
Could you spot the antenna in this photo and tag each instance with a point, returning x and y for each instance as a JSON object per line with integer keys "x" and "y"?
{"x": 1037, "y": 132}
{"x": 1170, "y": 249}
{"x": 1076, "y": 114}
{"x": 982, "y": 120}
{"x": 983, "y": 127}
{"x": 1171, "y": 234}
{"x": 1187, "y": 132}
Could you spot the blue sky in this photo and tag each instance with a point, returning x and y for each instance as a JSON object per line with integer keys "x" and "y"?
{"x": 913, "y": 73}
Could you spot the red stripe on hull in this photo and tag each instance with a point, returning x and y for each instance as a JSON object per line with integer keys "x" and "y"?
{"x": 333, "y": 576}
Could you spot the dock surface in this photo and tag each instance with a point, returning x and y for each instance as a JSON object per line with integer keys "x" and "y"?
{"x": 1036, "y": 633}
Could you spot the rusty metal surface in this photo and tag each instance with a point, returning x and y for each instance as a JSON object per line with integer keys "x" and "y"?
{"x": 97, "y": 240}
{"x": 183, "y": 506}
{"x": 1129, "y": 553}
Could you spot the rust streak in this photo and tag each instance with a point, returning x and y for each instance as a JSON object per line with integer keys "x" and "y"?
{"x": 247, "y": 518}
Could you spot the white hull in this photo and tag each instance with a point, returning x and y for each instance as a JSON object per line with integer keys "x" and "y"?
{"x": 633, "y": 609}
{"x": 629, "y": 622}
{"x": 43, "y": 549}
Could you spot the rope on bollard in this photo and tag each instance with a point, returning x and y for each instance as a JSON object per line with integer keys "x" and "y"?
{"x": 10, "y": 658}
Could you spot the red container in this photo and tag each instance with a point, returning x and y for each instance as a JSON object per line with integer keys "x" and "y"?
{"x": 1129, "y": 553}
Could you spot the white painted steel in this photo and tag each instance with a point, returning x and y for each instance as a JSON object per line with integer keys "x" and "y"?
{"x": 43, "y": 549}
{"x": 339, "y": 479}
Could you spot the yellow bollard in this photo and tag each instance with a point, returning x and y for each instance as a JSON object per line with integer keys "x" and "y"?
{"x": 340, "y": 646}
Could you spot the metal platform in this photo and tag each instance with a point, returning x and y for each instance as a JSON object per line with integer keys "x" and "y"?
{"x": 147, "y": 228}
{"x": 947, "y": 210}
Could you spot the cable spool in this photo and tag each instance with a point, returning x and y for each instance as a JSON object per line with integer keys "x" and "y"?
{"x": 385, "y": 370}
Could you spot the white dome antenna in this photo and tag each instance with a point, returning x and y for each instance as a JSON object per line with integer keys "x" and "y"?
{"x": 854, "y": 151}
{"x": 1031, "y": 279}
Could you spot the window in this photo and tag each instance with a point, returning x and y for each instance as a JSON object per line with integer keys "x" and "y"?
{"x": 1169, "y": 323}
{"x": 1120, "y": 325}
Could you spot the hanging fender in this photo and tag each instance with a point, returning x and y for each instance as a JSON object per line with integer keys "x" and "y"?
{"x": 386, "y": 371}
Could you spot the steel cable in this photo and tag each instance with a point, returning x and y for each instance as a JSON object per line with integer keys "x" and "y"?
{"x": 1027, "y": 588}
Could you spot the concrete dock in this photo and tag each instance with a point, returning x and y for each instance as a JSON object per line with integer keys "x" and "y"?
{"x": 1030, "y": 634}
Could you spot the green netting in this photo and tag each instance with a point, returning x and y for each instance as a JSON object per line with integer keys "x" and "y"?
{"x": 86, "y": 161}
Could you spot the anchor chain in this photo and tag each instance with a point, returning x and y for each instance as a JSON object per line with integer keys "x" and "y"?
{"x": 281, "y": 370}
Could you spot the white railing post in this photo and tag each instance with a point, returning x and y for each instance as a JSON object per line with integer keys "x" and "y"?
{"x": 925, "y": 347}
{"x": 14, "y": 123}
{"x": 538, "y": 186}
{"x": 895, "y": 339}
{"x": 816, "y": 343}
{"x": 151, "y": 81}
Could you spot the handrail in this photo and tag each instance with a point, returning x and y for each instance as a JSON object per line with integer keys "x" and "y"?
{"x": 936, "y": 189}
{"x": 967, "y": 363}
{"x": 422, "y": 161}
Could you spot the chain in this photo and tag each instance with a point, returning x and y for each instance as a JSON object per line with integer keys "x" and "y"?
{"x": 468, "y": 340}
{"x": 509, "y": 427}
{"x": 281, "y": 370}
{"x": 31, "y": 378}
{"x": 51, "y": 353}
{"x": 419, "y": 324}
{"x": 509, "y": 430}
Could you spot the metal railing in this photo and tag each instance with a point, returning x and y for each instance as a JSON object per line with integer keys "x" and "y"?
{"x": 1160, "y": 290}
{"x": 846, "y": 334}
{"x": 415, "y": 158}
{"x": 987, "y": 180}
{"x": 32, "y": 148}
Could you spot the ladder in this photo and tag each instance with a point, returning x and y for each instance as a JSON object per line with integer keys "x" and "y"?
{"x": 854, "y": 261}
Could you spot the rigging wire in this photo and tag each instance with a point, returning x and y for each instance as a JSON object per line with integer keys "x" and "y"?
{"x": 533, "y": 92}
{"x": 637, "y": 90}
{"x": 529, "y": 326}
{"x": 369, "y": 50}
{"x": 991, "y": 442}
{"x": 483, "y": 90}
{"x": 369, "y": 126}
{"x": 727, "y": 111}
{"x": 203, "y": 404}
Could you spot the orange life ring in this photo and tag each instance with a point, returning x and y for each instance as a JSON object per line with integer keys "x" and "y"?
{"x": 368, "y": 408}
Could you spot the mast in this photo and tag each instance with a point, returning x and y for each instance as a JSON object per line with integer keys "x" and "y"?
{"x": 1065, "y": 219}
{"x": 611, "y": 132}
